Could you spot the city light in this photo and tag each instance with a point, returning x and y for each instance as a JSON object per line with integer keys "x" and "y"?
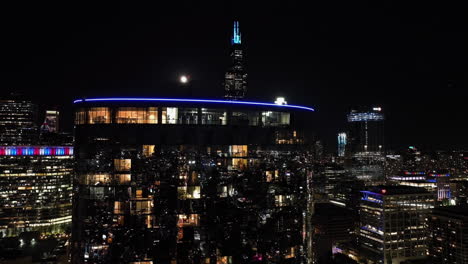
{"x": 280, "y": 101}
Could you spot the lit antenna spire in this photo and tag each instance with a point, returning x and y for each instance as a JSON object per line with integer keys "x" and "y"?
{"x": 236, "y": 36}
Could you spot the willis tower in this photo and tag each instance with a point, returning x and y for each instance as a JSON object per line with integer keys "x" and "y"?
{"x": 235, "y": 83}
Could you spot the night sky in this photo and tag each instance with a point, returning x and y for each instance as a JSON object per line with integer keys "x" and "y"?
{"x": 411, "y": 59}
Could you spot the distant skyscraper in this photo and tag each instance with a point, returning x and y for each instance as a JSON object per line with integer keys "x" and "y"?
{"x": 17, "y": 121}
{"x": 235, "y": 82}
{"x": 366, "y": 130}
{"x": 365, "y": 146}
{"x": 342, "y": 140}
{"x": 393, "y": 225}
{"x": 51, "y": 122}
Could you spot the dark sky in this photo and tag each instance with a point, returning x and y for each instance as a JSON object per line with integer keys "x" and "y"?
{"x": 409, "y": 58}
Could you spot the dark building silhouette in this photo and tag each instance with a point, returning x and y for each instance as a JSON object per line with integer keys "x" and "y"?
{"x": 190, "y": 181}
{"x": 235, "y": 82}
{"x": 365, "y": 145}
{"x": 17, "y": 120}
{"x": 448, "y": 239}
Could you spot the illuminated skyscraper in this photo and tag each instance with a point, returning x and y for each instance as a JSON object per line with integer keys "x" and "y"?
{"x": 51, "y": 122}
{"x": 393, "y": 226}
{"x": 190, "y": 181}
{"x": 235, "y": 82}
{"x": 35, "y": 189}
{"x": 366, "y": 130}
{"x": 17, "y": 121}
{"x": 365, "y": 146}
{"x": 342, "y": 140}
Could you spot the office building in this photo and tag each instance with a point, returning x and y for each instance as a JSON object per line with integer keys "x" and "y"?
{"x": 35, "y": 189}
{"x": 190, "y": 181}
{"x": 448, "y": 239}
{"x": 332, "y": 225}
{"x": 365, "y": 144}
{"x": 51, "y": 122}
{"x": 393, "y": 225}
{"x": 341, "y": 144}
{"x": 17, "y": 121}
{"x": 235, "y": 80}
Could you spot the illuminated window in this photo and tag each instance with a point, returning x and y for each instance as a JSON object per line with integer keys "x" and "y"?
{"x": 238, "y": 150}
{"x": 93, "y": 179}
{"x": 169, "y": 115}
{"x": 136, "y": 115}
{"x": 283, "y": 200}
{"x": 148, "y": 150}
{"x": 189, "y": 220}
{"x": 139, "y": 193}
{"x": 270, "y": 176}
{"x": 225, "y": 191}
{"x": 80, "y": 117}
{"x": 122, "y": 164}
{"x": 123, "y": 178}
{"x": 290, "y": 253}
{"x": 141, "y": 207}
{"x": 224, "y": 260}
{"x": 188, "y": 192}
{"x": 213, "y": 116}
{"x": 270, "y": 118}
{"x": 118, "y": 207}
{"x": 99, "y": 115}
{"x": 239, "y": 164}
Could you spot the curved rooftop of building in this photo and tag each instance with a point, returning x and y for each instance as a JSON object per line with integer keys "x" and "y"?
{"x": 191, "y": 101}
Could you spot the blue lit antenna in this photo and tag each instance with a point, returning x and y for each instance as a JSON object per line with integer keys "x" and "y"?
{"x": 236, "y": 36}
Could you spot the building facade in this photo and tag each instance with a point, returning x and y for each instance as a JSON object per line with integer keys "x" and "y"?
{"x": 190, "y": 181}
{"x": 449, "y": 240}
{"x": 365, "y": 145}
{"x": 342, "y": 141}
{"x": 235, "y": 79}
{"x": 17, "y": 121}
{"x": 35, "y": 189}
{"x": 393, "y": 225}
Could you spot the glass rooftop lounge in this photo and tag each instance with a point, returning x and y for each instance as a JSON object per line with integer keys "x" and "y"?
{"x": 182, "y": 111}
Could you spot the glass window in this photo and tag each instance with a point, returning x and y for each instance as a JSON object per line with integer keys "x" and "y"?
{"x": 93, "y": 179}
{"x": 245, "y": 118}
{"x": 239, "y": 164}
{"x": 188, "y": 192}
{"x": 270, "y": 118}
{"x": 137, "y": 115}
{"x": 169, "y": 115}
{"x": 122, "y": 164}
{"x": 99, "y": 115}
{"x": 238, "y": 150}
{"x": 189, "y": 220}
{"x": 80, "y": 117}
{"x": 123, "y": 178}
{"x": 148, "y": 150}
{"x": 188, "y": 116}
{"x": 213, "y": 116}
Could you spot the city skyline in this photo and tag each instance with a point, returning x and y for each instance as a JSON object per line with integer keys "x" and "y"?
{"x": 230, "y": 132}
{"x": 331, "y": 59}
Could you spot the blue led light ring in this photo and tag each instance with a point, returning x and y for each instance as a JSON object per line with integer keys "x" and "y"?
{"x": 192, "y": 101}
